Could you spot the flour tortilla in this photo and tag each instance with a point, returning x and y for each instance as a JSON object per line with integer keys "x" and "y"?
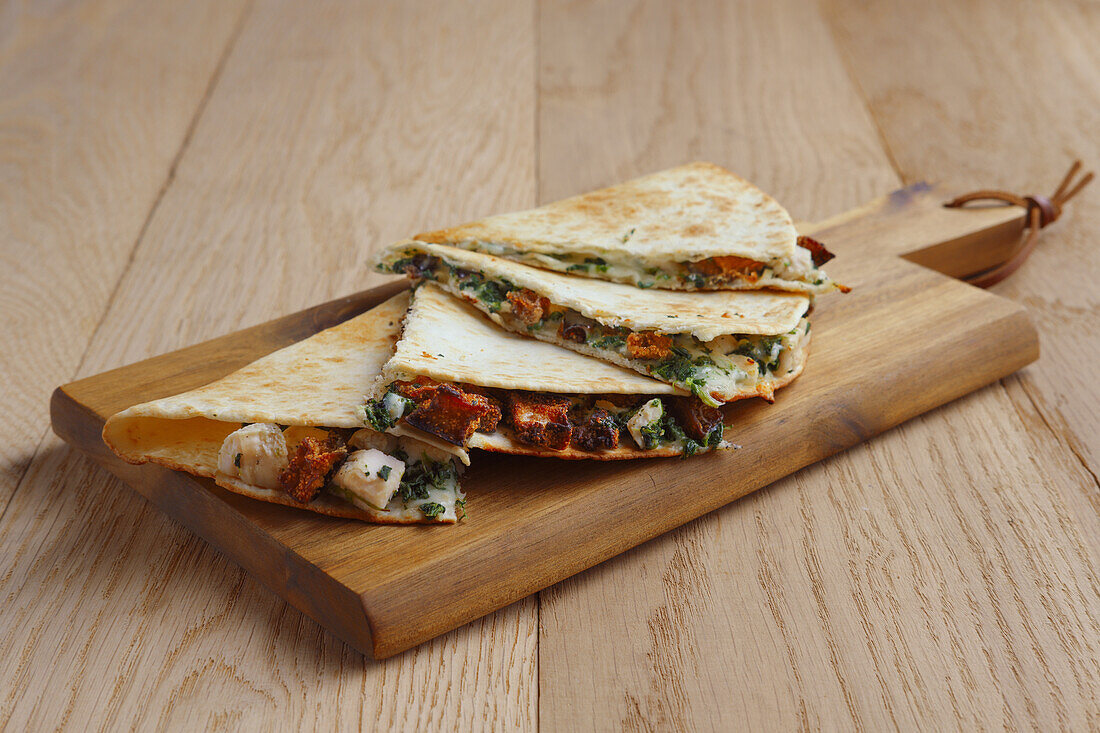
{"x": 318, "y": 382}
{"x": 449, "y": 341}
{"x": 683, "y": 214}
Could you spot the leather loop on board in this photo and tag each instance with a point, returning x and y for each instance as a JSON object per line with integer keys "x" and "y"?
{"x": 1041, "y": 211}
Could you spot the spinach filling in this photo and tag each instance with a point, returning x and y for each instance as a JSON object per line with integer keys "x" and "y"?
{"x": 375, "y": 414}
{"x": 685, "y": 275}
{"x": 493, "y": 293}
{"x": 420, "y": 477}
{"x": 680, "y": 367}
{"x": 431, "y": 509}
{"x": 764, "y": 350}
{"x": 666, "y": 430}
{"x": 696, "y": 372}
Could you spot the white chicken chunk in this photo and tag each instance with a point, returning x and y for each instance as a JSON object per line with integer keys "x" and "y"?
{"x": 370, "y": 475}
{"x": 646, "y": 415}
{"x": 256, "y": 454}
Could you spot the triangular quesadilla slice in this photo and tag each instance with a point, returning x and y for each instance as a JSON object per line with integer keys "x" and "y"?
{"x": 456, "y": 377}
{"x": 720, "y": 346}
{"x": 285, "y": 429}
{"x": 694, "y": 227}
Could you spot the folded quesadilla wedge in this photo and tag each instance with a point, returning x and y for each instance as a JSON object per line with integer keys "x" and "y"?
{"x": 457, "y": 377}
{"x": 719, "y": 346}
{"x": 285, "y": 429}
{"x": 695, "y": 227}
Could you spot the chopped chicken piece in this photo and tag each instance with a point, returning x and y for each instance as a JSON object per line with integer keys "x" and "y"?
{"x": 454, "y": 415}
{"x": 527, "y": 305}
{"x": 371, "y": 475}
{"x": 694, "y": 417}
{"x": 730, "y": 267}
{"x": 418, "y": 390}
{"x": 647, "y": 416}
{"x": 818, "y": 253}
{"x": 255, "y": 454}
{"x": 366, "y": 438}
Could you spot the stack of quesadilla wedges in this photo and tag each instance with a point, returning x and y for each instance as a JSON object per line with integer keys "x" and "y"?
{"x": 692, "y": 278}
{"x": 611, "y": 325}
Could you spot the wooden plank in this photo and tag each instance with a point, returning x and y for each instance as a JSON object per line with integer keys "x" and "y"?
{"x": 935, "y": 577}
{"x": 333, "y": 128}
{"x": 972, "y": 124}
{"x": 87, "y": 139}
{"x": 1053, "y": 64}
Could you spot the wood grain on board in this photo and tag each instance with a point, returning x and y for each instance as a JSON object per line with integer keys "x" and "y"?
{"x": 332, "y": 128}
{"x": 939, "y": 576}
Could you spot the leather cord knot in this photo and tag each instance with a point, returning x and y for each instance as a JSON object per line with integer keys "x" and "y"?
{"x": 1041, "y": 211}
{"x": 1048, "y": 210}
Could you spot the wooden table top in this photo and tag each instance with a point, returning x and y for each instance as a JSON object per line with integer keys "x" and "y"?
{"x": 172, "y": 171}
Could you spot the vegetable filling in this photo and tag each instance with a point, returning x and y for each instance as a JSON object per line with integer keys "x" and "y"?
{"x": 368, "y": 470}
{"x": 712, "y": 371}
{"x": 587, "y": 423}
{"x": 712, "y": 273}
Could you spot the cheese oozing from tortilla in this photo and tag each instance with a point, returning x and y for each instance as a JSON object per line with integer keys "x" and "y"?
{"x": 795, "y": 272}
{"x": 647, "y": 416}
{"x": 725, "y": 368}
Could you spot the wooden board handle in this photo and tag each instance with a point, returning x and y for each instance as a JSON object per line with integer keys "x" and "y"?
{"x": 913, "y": 223}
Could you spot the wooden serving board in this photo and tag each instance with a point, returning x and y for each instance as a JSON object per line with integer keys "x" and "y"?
{"x": 906, "y": 340}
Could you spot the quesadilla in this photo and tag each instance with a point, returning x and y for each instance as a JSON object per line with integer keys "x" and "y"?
{"x": 456, "y": 377}
{"x": 695, "y": 227}
{"x": 285, "y": 429}
{"x": 720, "y": 346}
